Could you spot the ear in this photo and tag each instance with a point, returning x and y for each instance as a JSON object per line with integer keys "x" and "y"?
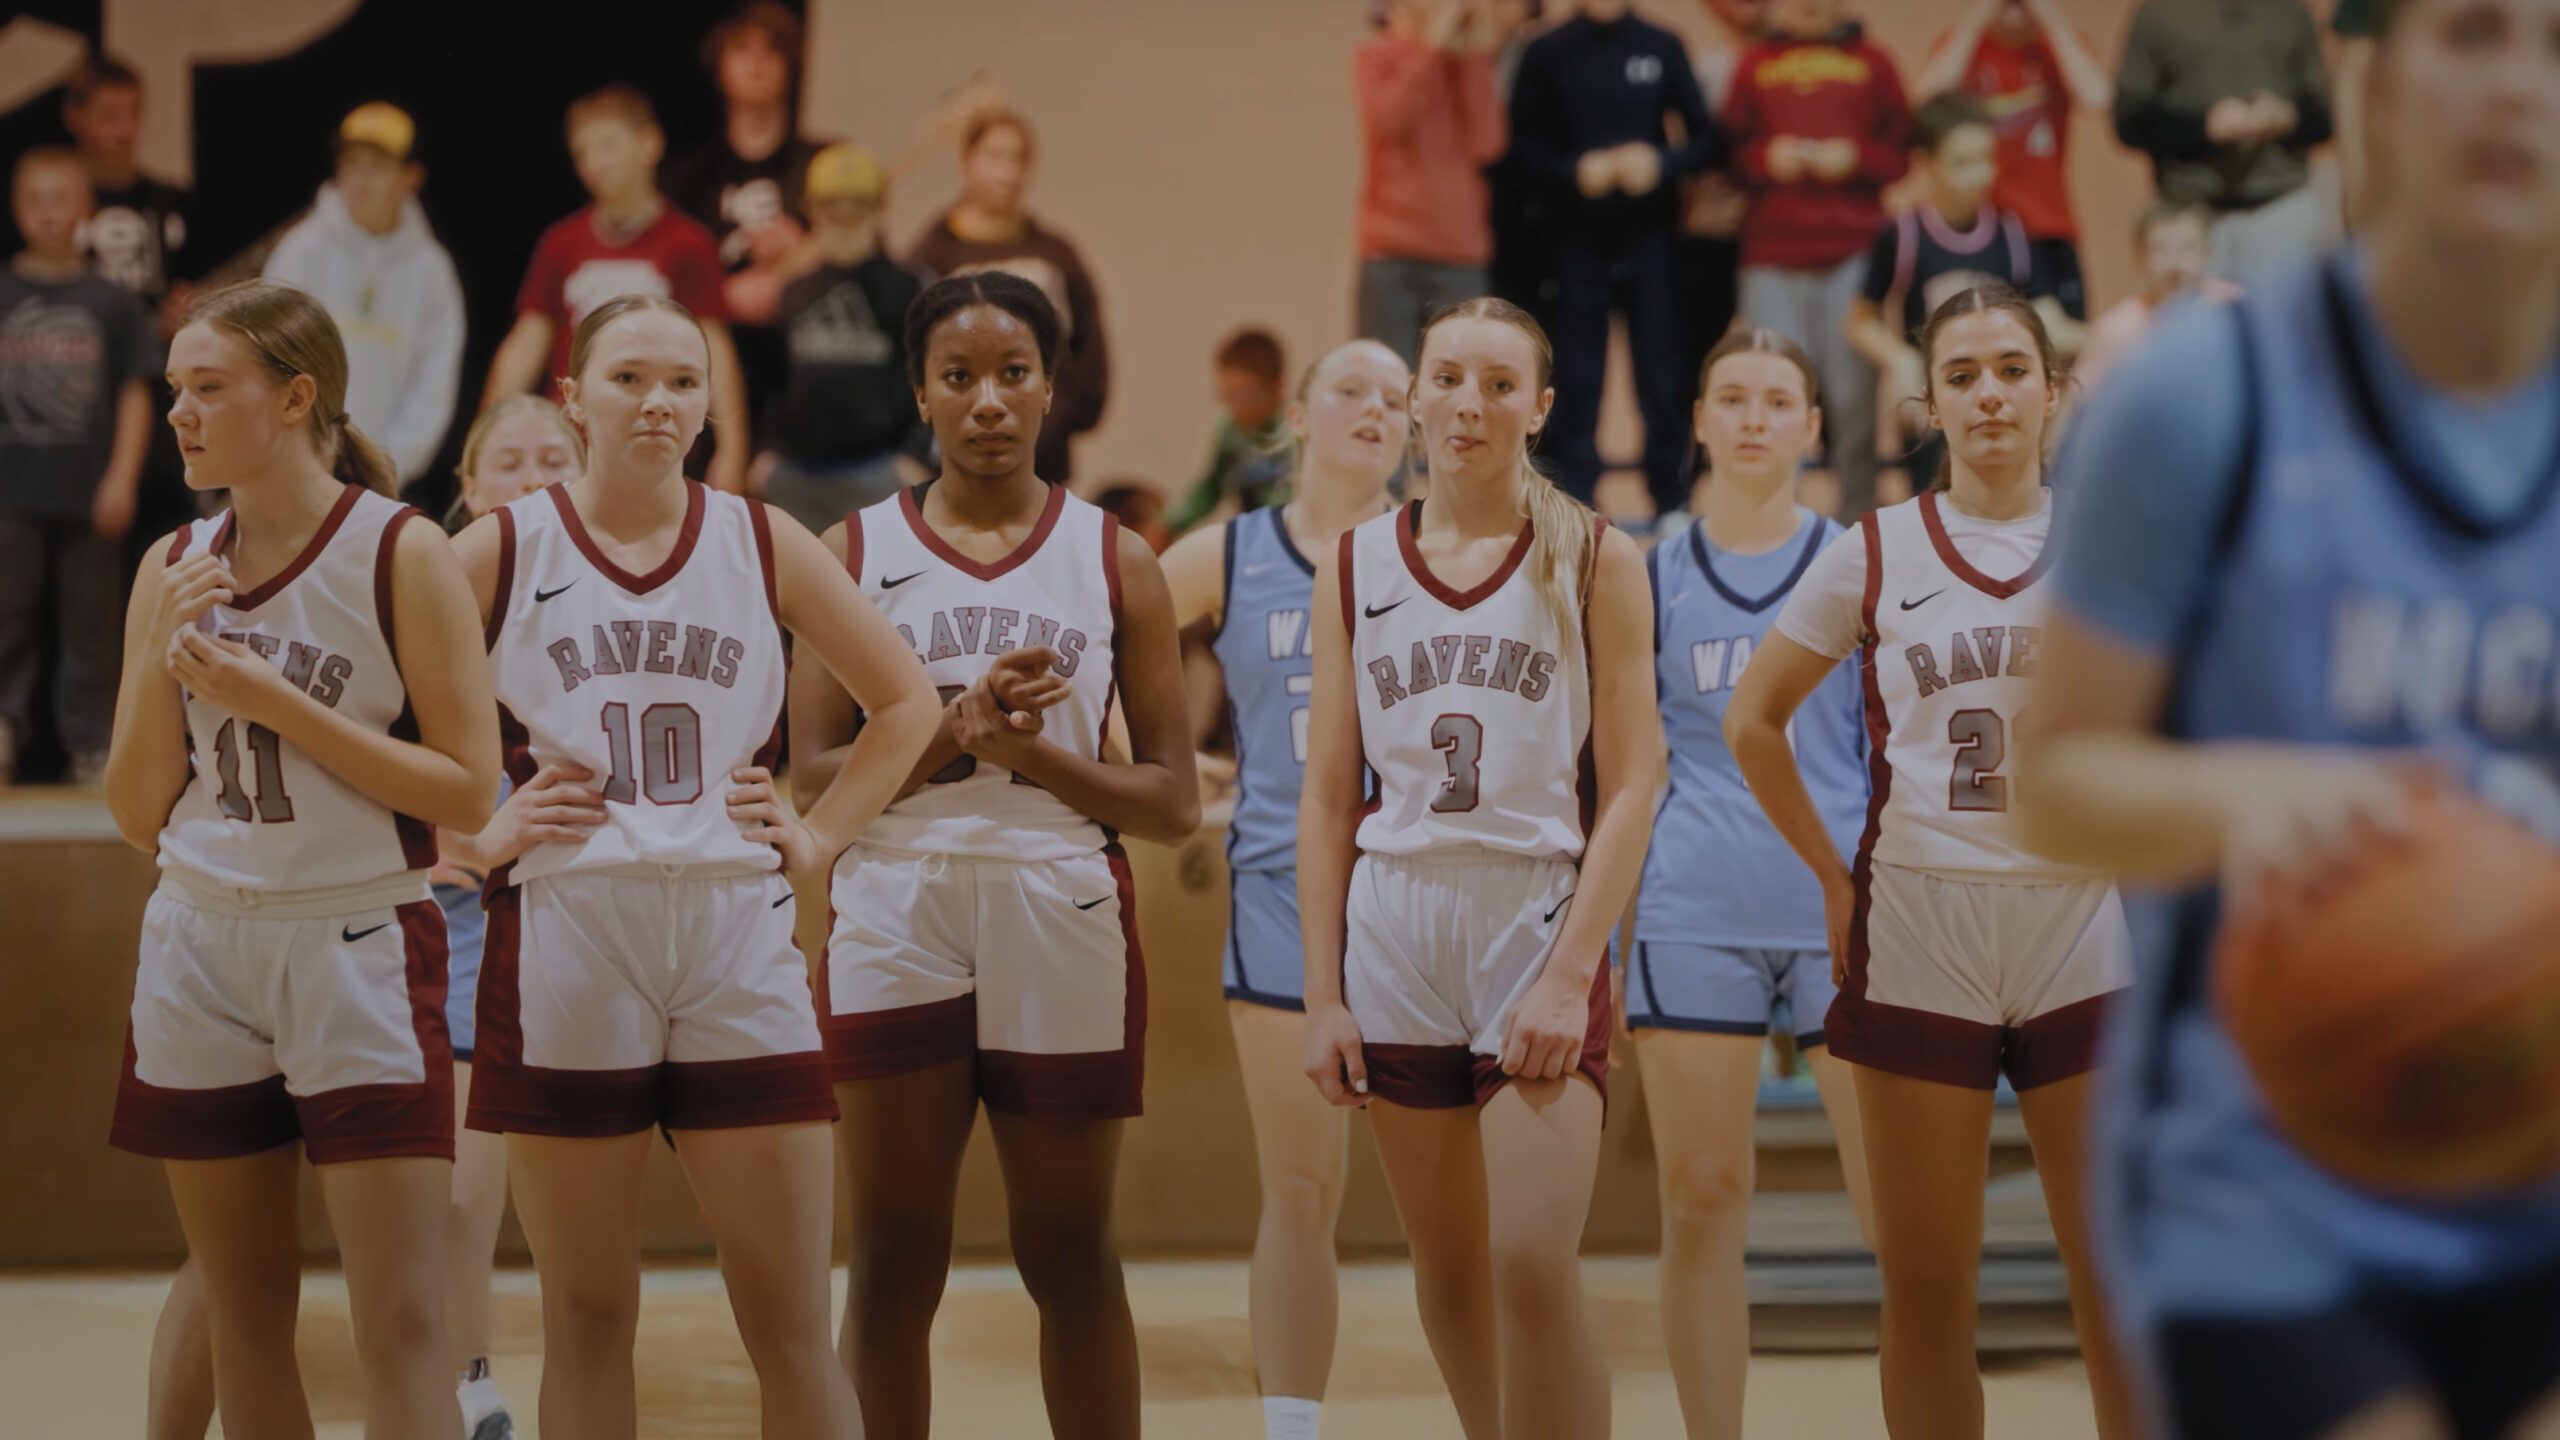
{"x": 1546, "y": 403}
{"x": 301, "y": 394}
{"x": 1813, "y": 428}
{"x": 1296, "y": 418}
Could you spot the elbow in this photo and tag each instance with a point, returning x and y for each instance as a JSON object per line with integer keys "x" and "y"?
{"x": 1173, "y": 822}
{"x": 468, "y": 808}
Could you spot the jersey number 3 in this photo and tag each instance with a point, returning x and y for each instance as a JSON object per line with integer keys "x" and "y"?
{"x": 1461, "y": 737}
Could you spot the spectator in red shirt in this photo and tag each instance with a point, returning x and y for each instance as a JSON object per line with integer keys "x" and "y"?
{"x": 1430, "y": 122}
{"x": 629, "y": 241}
{"x": 1819, "y": 127}
{"x": 2030, "y": 69}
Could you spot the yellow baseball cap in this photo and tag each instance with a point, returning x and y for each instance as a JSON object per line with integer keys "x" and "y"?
{"x": 383, "y": 126}
{"x": 844, "y": 171}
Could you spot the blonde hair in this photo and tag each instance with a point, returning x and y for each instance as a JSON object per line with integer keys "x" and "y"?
{"x": 1561, "y": 537}
{"x": 291, "y": 334}
{"x": 583, "y": 342}
{"x": 506, "y": 409}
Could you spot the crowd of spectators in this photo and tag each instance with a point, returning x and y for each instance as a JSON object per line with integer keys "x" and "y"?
{"x": 1576, "y": 158}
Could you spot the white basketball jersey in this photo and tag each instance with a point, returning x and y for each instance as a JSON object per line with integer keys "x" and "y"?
{"x": 1950, "y": 659}
{"x": 1474, "y": 712}
{"x": 659, "y": 684}
{"x": 1059, "y": 588}
{"x": 257, "y": 812}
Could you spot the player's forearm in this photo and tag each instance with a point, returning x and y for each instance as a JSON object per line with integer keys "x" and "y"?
{"x": 1326, "y": 851}
{"x": 404, "y": 776}
{"x": 939, "y": 753}
{"x": 1612, "y": 864}
{"x": 147, "y": 759}
{"x": 865, "y": 779}
{"x": 1768, "y": 765}
{"x": 1143, "y": 798}
{"x": 2127, "y": 803}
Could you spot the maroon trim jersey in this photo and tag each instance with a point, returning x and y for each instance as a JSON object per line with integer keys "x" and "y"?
{"x": 1475, "y": 707}
{"x": 1059, "y": 588}
{"x": 256, "y": 812}
{"x": 660, "y": 684}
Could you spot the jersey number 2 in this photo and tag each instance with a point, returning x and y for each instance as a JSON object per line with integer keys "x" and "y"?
{"x": 1982, "y": 746}
{"x": 670, "y": 755}
{"x": 1462, "y": 737}
{"x": 266, "y": 755}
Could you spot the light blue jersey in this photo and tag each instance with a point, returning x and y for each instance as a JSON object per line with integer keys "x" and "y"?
{"x": 1718, "y": 873}
{"x": 1267, "y": 649}
{"x": 2273, "y": 508}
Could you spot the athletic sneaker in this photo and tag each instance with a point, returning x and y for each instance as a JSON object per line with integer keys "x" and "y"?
{"x": 484, "y": 1410}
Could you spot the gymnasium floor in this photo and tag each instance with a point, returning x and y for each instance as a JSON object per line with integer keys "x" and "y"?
{"x": 72, "y": 1351}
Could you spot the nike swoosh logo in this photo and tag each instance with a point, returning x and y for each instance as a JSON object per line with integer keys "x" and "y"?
{"x": 1089, "y": 904}
{"x": 352, "y": 936}
{"x": 787, "y": 898}
{"x": 1923, "y": 600}
{"x": 901, "y": 580}
{"x": 541, "y": 595}
{"x": 1374, "y": 611}
{"x": 1551, "y": 915}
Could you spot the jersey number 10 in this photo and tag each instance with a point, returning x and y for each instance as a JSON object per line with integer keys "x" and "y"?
{"x": 670, "y": 755}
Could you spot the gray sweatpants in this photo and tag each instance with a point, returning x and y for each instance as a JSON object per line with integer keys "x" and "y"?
{"x": 61, "y": 555}
{"x": 1811, "y": 307}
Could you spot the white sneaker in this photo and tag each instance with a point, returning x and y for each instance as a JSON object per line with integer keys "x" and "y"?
{"x": 484, "y": 1410}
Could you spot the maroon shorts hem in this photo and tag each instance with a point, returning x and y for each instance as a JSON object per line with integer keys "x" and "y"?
{"x": 735, "y": 1094}
{"x": 1915, "y": 1044}
{"x": 218, "y": 1124}
{"x": 1599, "y": 1027}
{"x": 378, "y": 1122}
{"x": 875, "y": 1044}
{"x": 1096, "y": 1085}
{"x": 1421, "y": 1077}
{"x": 508, "y": 1098}
{"x": 2057, "y": 1045}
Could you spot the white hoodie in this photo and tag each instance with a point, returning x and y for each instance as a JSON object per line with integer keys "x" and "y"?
{"x": 399, "y": 307}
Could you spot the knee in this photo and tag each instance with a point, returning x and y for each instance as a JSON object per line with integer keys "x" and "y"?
{"x": 1300, "y": 1201}
{"x": 1066, "y": 1263}
{"x": 1536, "y": 1274}
{"x": 591, "y": 1313}
{"x": 1698, "y": 1194}
{"x": 401, "y": 1329}
{"x": 894, "y": 1255}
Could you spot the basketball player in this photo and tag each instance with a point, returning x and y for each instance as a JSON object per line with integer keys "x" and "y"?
{"x": 1248, "y": 583}
{"x": 985, "y": 943}
{"x": 1960, "y": 956}
{"x": 301, "y": 703}
{"x": 1729, "y": 922}
{"x": 640, "y": 972}
{"x": 1477, "y": 650}
{"x": 2316, "y": 543}
{"x": 520, "y": 444}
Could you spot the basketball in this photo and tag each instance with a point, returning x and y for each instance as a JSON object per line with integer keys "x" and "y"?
{"x": 2403, "y": 1016}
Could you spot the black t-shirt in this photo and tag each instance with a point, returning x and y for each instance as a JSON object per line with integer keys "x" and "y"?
{"x": 67, "y": 347}
{"x": 2357, "y": 19}
{"x": 1926, "y": 261}
{"x": 138, "y": 236}
{"x": 847, "y": 398}
{"x": 730, "y": 194}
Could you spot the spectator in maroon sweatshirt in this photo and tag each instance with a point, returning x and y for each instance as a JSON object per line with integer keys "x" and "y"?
{"x": 1819, "y": 127}
{"x": 1429, "y": 124}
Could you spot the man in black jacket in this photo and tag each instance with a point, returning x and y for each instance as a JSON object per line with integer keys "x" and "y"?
{"x": 2228, "y": 97}
{"x": 1590, "y": 126}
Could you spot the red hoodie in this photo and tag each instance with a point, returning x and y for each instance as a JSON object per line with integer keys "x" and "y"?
{"x": 1430, "y": 122}
{"x": 1836, "y": 89}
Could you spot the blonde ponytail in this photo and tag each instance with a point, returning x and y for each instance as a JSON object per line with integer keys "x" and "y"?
{"x": 1561, "y": 535}
{"x": 1560, "y": 550}
{"x": 356, "y": 460}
